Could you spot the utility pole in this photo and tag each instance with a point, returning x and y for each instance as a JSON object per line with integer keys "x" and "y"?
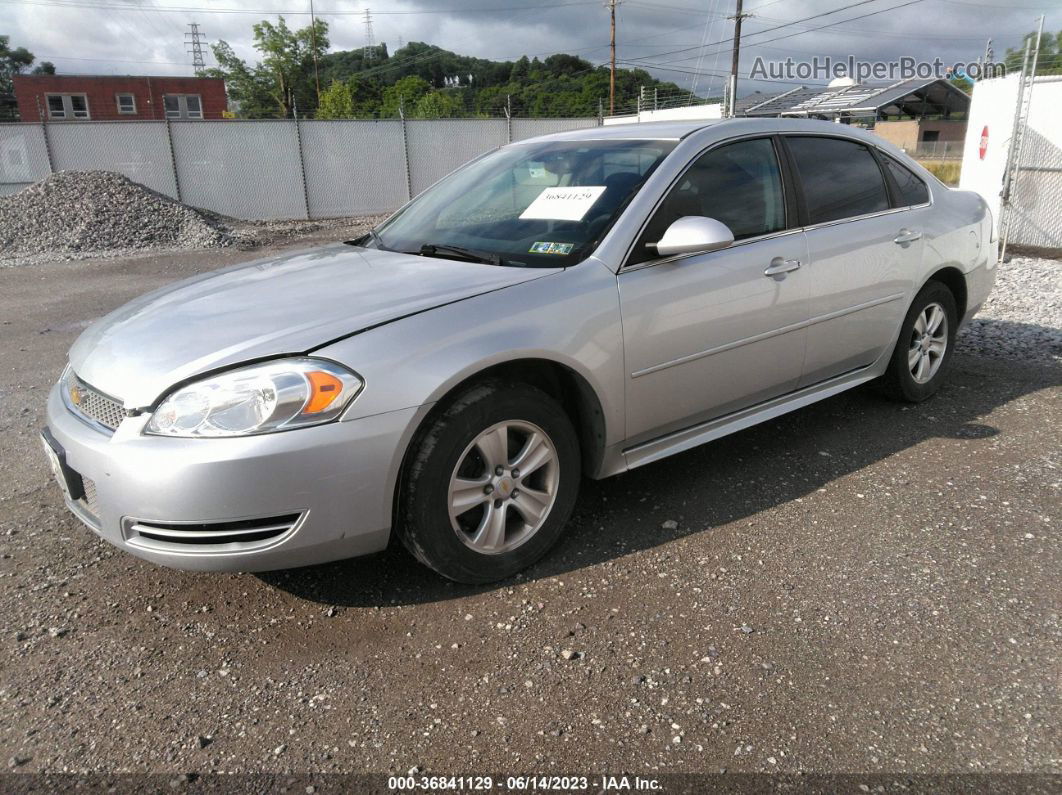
{"x": 195, "y": 47}
{"x": 731, "y": 103}
{"x": 611, "y": 5}
{"x": 313, "y": 44}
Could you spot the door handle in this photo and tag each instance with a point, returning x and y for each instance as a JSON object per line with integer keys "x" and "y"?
{"x": 780, "y": 267}
{"x": 907, "y": 236}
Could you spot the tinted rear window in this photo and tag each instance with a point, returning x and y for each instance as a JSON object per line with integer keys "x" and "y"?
{"x": 841, "y": 179}
{"x": 912, "y": 190}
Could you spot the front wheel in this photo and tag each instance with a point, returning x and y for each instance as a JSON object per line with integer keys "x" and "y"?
{"x": 923, "y": 350}
{"x": 490, "y": 483}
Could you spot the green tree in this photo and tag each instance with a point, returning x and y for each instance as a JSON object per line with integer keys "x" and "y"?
{"x": 288, "y": 58}
{"x": 248, "y": 87}
{"x": 337, "y": 102}
{"x": 1049, "y": 60}
{"x": 44, "y": 68}
{"x": 403, "y": 95}
{"x": 383, "y": 82}
{"x": 283, "y": 80}
{"x": 439, "y": 105}
{"x": 12, "y": 62}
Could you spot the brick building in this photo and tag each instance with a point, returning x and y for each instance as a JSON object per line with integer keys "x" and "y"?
{"x": 118, "y": 98}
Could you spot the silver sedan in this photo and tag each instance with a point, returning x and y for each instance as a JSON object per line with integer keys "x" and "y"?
{"x": 579, "y": 304}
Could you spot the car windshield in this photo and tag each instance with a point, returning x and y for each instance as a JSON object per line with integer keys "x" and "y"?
{"x": 541, "y": 204}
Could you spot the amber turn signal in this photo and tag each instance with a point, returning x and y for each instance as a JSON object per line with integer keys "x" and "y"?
{"x": 324, "y": 389}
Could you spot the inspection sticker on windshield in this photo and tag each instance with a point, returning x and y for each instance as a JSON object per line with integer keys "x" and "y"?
{"x": 544, "y": 247}
{"x": 562, "y": 204}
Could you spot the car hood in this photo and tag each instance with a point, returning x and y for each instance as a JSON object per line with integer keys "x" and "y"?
{"x": 287, "y": 304}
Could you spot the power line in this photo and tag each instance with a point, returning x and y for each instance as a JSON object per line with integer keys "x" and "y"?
{"x": 291, "y": 12}
{"x": 797, "y": 33}
{"x": 778, "y": 27}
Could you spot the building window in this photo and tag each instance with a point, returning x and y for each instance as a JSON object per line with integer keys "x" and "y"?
{"x": 67, "y": 106}
{"x": 126, "y": 103}
{"x": 183, "y": 106}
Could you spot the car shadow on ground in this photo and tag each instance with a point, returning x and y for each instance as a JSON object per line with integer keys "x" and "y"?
{"x": 725, "y": 481}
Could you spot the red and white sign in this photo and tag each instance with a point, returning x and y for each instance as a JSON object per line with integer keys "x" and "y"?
{"x": 983, "y": 148}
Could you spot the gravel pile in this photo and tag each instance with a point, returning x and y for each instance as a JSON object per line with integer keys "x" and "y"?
{"x": 101, "y": 214}
{"x": 79, "y": 212}
{"x": 1022, "y": 318}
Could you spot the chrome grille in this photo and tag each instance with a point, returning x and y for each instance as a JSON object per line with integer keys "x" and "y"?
{"x": 95, "y": 405}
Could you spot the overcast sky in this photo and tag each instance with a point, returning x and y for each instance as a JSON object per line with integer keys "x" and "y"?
{"x": 143, "y": 37}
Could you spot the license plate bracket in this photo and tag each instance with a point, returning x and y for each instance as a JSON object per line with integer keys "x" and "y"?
{"x": 69, "y": 481}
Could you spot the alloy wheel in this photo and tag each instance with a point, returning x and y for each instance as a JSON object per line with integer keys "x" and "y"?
{"x": 929, "y": 341}
{"x": 503, "y": 487}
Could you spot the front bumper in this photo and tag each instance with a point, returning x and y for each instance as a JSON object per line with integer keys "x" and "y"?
{"x": 336, "y": 480}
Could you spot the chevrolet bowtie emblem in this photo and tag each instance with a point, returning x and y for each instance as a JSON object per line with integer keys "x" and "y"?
{"x": 75, "y": 396}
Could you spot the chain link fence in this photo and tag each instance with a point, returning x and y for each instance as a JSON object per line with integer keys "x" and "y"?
{"x": 267, "y": 169}
{"x": 1036, "y": 206}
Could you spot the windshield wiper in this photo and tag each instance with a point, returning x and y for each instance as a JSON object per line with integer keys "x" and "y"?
{"x": 470, "y": 254}
{"x": 373, "y": 235}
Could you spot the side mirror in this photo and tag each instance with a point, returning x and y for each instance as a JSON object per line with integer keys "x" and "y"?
{"x": 694, "y": 234}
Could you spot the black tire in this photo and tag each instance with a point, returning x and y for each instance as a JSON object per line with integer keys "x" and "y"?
{"x": 899, "y": 383}
{"x": 423, "y": 518}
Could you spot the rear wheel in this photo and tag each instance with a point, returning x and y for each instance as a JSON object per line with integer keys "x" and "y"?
{"x": 923, "y": 350}
{"x": 490, "y": 483}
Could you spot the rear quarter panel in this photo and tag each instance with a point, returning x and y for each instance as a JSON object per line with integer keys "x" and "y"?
{"x": 958, "y": 234}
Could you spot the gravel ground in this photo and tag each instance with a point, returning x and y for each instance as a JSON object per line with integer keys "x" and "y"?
{"x": 1023, "y": 315}
{"x": 859, "y": 586}
{"x": 77, "y": 215}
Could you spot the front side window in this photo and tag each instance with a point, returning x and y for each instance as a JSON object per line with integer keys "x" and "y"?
{"x": 738, "y": 184}
{"x": 182, "y": 106}
{"x": 126, "y": 103}
{"x": 911, "y": 189}
{"x": 840, "y": 178}
{"x": 67, "y": 106}
{"x": 541, "y": 204}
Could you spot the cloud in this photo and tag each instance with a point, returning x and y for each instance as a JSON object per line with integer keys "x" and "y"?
{"x": 141, "y": 37}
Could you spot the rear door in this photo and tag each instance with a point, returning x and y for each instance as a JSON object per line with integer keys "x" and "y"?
{"x": 707, "y": 334}
{"x": 864, "y": 253}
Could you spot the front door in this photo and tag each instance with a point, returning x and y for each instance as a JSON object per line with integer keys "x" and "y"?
{"x": 707, "y": 334}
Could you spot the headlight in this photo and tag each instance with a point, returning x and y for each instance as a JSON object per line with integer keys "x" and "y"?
{"x": 262, "y": 398}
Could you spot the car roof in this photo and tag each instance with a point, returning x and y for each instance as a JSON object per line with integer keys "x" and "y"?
{"x": 711, "y": 129}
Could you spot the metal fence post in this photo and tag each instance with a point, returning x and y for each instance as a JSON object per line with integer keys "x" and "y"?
{"x": 302, "y": 167}
{"x": 509, "y": 118}
{"x": 173, "y": 161}
{"x": 47, "y": 142}
{"x": 405, "y": 152}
